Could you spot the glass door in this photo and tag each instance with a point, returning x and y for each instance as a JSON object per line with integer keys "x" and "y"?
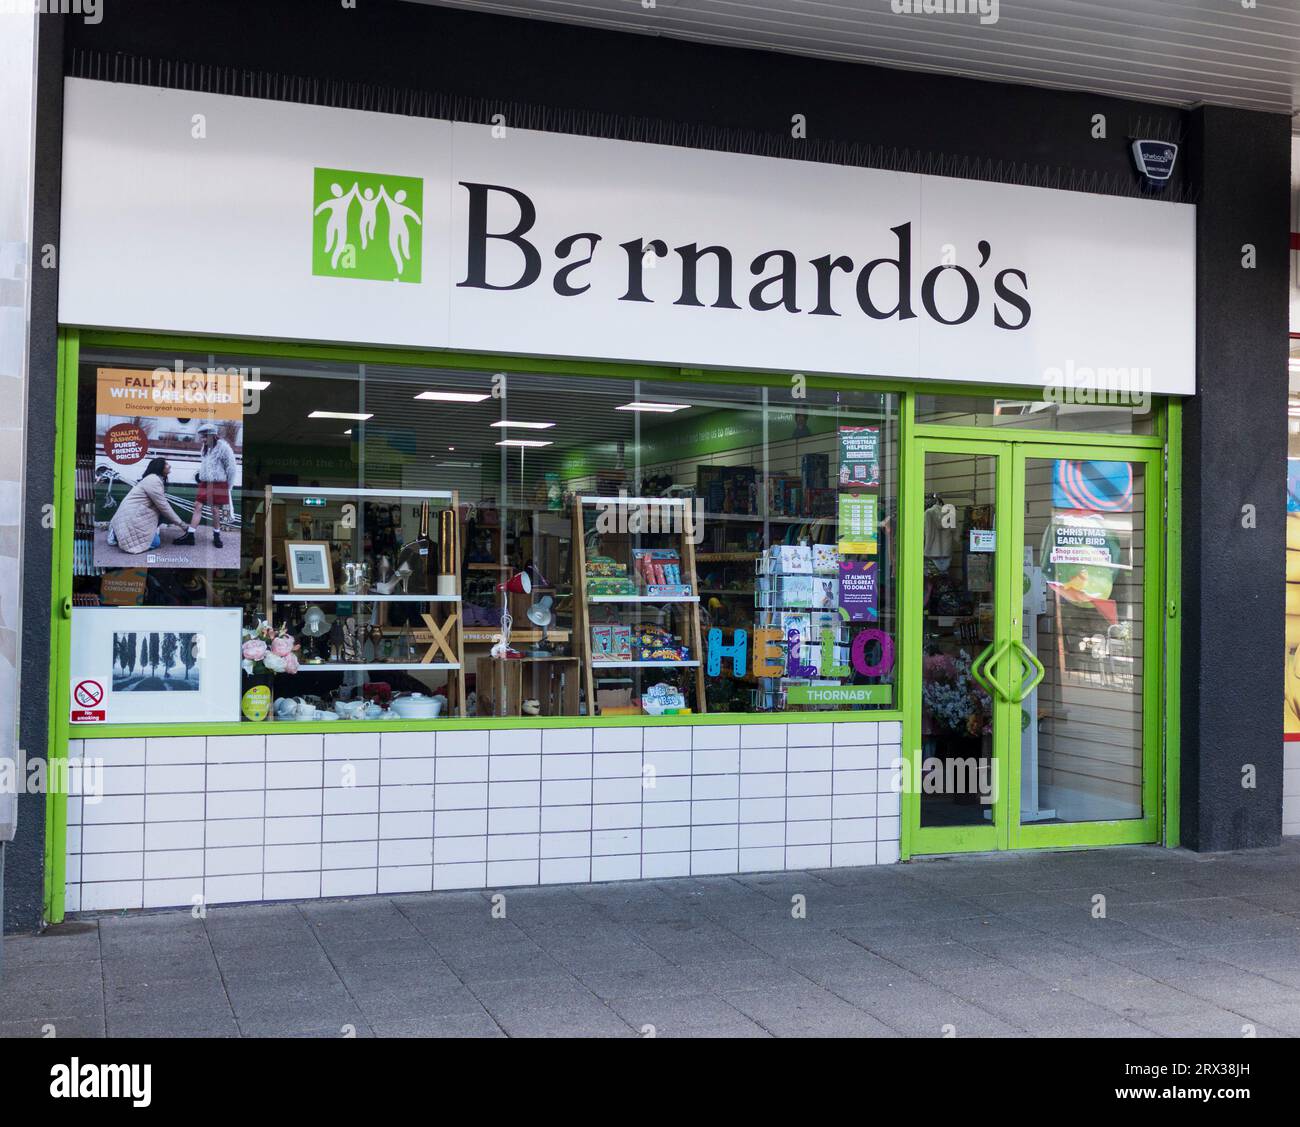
{"x": 1037, "y": 605}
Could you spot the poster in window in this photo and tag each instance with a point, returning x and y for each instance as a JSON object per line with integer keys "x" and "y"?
{"x": 858, "y": 590}
{"x": 168, "y": 464}
{"x": 1091, "y": 486}
{"x": 857, "y": 533}
{"x": 859, "y": 457}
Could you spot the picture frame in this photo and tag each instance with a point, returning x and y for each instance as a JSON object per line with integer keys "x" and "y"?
{"x": 308, "y": 567}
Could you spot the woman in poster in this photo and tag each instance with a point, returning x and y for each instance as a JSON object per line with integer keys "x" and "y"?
{"x": 217, "y": 470}
{"x": 134, "y": 527}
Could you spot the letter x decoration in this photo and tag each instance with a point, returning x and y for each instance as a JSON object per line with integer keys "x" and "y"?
{"x": 439, "y": 638}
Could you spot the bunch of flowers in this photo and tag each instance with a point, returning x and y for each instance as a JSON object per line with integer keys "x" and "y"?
{"x": 954, "y": 701}
{"x": 268, "y": 650}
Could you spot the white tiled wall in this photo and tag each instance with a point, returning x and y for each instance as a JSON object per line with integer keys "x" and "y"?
{"x": 240, "y": 818}
{"x": 1291, "y": 789}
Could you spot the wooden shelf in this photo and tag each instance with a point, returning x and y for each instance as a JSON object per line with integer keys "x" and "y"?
{"x": 645, "y": 664}
{"x": 366, "y": 598}
{"x": 342, "y": 666}
{"x": 643, "y": 599}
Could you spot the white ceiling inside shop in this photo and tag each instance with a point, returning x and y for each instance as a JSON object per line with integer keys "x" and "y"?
{"x": 1183, "y": 52}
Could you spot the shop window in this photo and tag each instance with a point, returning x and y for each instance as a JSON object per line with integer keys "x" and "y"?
{"x": 311, "y": 541}
{"x": 1119, "y": 406}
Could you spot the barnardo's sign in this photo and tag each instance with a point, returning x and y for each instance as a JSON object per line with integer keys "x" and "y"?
{"x": 209, "y": 214}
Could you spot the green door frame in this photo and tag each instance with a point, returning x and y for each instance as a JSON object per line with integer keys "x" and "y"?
{"x": 1159, "y": 685}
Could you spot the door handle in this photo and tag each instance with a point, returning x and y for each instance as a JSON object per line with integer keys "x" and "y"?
{"x": 1029, "y": 659}
{"x": 981, "y": 666}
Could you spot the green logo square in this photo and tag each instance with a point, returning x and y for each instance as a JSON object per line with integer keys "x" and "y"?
{"x": 367, "y": 226}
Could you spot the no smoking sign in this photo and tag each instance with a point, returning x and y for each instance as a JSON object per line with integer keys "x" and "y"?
{"x": 87, "y": 702}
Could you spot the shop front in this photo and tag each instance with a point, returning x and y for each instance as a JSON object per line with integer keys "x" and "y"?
{"x": 449, "y": 505}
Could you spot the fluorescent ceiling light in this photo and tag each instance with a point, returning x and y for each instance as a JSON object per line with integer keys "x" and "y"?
{"x": 522, "y": 442}
{"x": 353, "y": 415}
{"x": 522, "y": 426}
{"x": 454, "y": 396}
{"x": 662, "y": 408}
{"x": 256, "y": 385}
{"x": 460, "y": 465}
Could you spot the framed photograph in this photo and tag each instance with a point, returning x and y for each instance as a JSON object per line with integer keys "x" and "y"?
{"x": 310, "y": 571}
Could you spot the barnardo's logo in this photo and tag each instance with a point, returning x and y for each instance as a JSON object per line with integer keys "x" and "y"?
{"x": 366, "y": 225}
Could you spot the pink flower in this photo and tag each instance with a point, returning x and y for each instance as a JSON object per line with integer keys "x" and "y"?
{"x": 254, "y": 649}
{"x": 282, "y": 646}
{"x": 291, "y": 663}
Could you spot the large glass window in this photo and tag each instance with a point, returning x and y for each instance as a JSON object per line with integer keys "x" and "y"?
{"x": 308, "y": 541}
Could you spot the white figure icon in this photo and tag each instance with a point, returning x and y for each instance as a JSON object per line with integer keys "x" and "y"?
{"x": 336, "y": 227}
{"x": 369, "y": 214}
{"x": 399, "y": 237}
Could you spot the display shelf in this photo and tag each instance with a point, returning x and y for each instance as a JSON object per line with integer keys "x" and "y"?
{"x": 643, "y": 598}
{"x": 645, "y": 664}
{"x": 343, "y": 666}
{"x": 337, "y": 491}
{"x": 344, "y": 598}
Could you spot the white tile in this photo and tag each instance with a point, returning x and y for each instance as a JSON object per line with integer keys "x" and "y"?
{"x": 74, "y": 810}
{"x": 616, "y": 868}
{"x": 1290, "y": 755}
{"x": 348, "y": 773}
{"x": 754, "y": 736}
{"x": 173, "y": 807}
{"x": 666, "y": 839}
{"x": 809, "y": 735}
{"x": 715, "y": 812}
{"x": 294, "y": 803}
{"x": 705, "y": 787}
{"x": 666, "y": 737}
{"x": 173, "y": 835}
{"x": 460, "y": 796}
{"x": 853, "y": 758}
{"x": 403, "y": 824}
{"x": 460, "y": 875}
{"x": 505, "y": 874}
{"x": 605, "y": 843}
{"x": 715, "y": 861}
{"x": 292, "y": 886}
{"x": 715, "y": 736}
{"x": 175, "y": 749}
{"x": 666, "y": 814}
{"x": 295, "y": 775}
{"x": 886, "y": 852}
{"x": 890, "y": 758}
{"x": 292, "y": 831}
{"x": 565, "y": 870}
{"x": 97, "y": 867}
{"x": 458, "y": 850}
{"x": 293, "y": 858}
{"x": 513, "y": 847}
{"x": 856, "y": 853}
{"x": 560, "y": 819}
{"x": 349, "y": 882}
{"x": 853, "y": 782}
{"x": 891, "y": 732}
{"x": 845, "y": 830}
{"x": 73, "y": 837}
{"x": 233, "y": 831}
{"x": 888, "y": 805}
{"x": 349, "y": 855}
{"x": 106, "y": 896}
{"x": 566, "y": 741}
{"x": 460, "y": 823}
{"x": 409, "y": 799}
{"x": 124, "y": 808}
{"x": 125, "y": 838}
{"x": 616, "y": 764}
{"x": 617, "y": 739}
{"x": 236, "y": 749}
{"x": 616, "y": 790}
{"x": 566, "y": 766}
{"x": 762, "y": 859}
{"x": 173, "y": 863}
{"x": 351, "y": 800}
{"x": 511, "y": 768}
{"x": 714, "y": 761}
{"x": 762, "y": 835}
{"x": 661, "y": 865}
{"x": 405, "y": 878}
{"x": 515, "y": 794}
{"x": 235, "y": 776}
{"x": 809, "y": 759}
{"x": 762, "y": 810}
{"x": 408, "y": 745}
{"x": 808, "y": 833}
{"x": 72, "y": 898}
{"x": 667, "y": 763}
{"x": 352, "y": 745}
{"x": 770, "y": 785}
{"x": 453, "y": 744}
{"x": 515, "y": 820}
{"x": 887, "y": 780}
{"x": 411, "y": 851}
{"x": 281, "y": 749}
{"x": 172, "y": 893}
{"x": 616, "y": 815}
{"x": 887, "y": 829}
{"x": 669, "y": 788}
{"x": 755, "y": 759}
{"x": 116, "y": 752}
{"x": 565, "y": 792}
{"x": 350, "y": 827}
{"x": 123, "y": 780}
{"x": 235, "y": 804}
{"x": 714, "y": 837}
{"x": 853, "y": 806}
{"x": 515, "y": 741}
{"x": 237, "y": 860}
{"x": 808, "y": 857}
{"x": 463, "y": 769}
{"x": 856, "y": 733}
{"x": 575, "y": 844}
